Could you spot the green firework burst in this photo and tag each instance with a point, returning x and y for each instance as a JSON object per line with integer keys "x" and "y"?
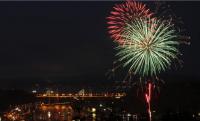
{"x": 150, "y": 46}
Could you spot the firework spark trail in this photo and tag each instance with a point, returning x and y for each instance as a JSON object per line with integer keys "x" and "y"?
{"x": 150, "y": 46}
{"x": 123, "y": 14}
{"x": 148, "y": 99}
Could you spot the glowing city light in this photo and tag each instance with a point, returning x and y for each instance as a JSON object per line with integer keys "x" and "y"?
{"x": 93, "y": 110}
{"x": 49, "y": 114}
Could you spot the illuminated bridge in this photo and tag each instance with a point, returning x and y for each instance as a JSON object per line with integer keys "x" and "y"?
{"x": 81, "y": 95}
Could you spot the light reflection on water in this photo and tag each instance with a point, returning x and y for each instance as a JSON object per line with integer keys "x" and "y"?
{"x": 65, "y": 112}
{"x": 53, "y": 113}
{"x": 61, "y": 113}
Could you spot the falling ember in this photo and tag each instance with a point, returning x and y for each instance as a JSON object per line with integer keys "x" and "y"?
{"x": 148, "y": 99}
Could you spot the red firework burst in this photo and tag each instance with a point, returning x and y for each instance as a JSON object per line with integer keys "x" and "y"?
{"x": 125, "y": 13}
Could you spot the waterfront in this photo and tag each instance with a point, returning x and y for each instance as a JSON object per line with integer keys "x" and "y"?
{"x": 92, "y": 112}
{"x": 81, "y": 106}
{"x": 66, "y": 112}
{"x": 86, "y": 110}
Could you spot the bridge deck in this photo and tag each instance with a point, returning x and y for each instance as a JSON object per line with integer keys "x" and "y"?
{"x": 107, "y": 95}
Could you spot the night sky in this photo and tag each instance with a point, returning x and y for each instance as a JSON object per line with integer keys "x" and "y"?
{"x": 69, "y": 41}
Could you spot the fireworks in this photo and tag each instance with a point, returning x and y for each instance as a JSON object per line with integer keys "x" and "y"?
{"x": 123, "y": 14}
{"x": 149, "y": 46}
